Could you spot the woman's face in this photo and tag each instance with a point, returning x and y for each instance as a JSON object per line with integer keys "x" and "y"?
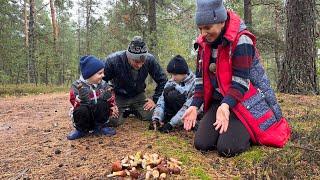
{"x": 211, "y": 31}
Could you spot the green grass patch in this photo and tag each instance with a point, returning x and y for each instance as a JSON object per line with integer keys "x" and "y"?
{"x": 250, "y": 158}
{"x": 26, "y": 89}
{"x": 200, "y": 173}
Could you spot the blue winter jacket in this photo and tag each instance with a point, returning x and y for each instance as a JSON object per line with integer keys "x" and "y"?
{"x": 187, "y": 89}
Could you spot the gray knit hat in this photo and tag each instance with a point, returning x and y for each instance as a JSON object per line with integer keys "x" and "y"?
{"x": 137, "y": 49}
{"x": 210, "y": 12}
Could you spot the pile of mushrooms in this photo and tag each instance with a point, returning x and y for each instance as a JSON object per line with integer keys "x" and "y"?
{"x": 155, "y": 167}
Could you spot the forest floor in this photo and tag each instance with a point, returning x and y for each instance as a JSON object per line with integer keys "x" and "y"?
{"x": 33, "y": 145}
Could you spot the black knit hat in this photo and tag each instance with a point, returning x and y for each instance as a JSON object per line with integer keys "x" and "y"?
{"x": 137, "y": 49}
{"x": 178, "y": 65}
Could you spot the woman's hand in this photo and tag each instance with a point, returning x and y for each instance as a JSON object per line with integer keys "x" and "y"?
{"x": 189, "y": 118}
{"x": 149, "y": 105}
{"x": 222, "y": 118}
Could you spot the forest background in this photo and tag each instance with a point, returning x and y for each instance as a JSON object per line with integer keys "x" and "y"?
{"x": 41, "y": 41}
{"x": 40, "y": 46}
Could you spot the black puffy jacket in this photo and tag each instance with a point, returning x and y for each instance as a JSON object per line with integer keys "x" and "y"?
{"x": 118, "y": 71}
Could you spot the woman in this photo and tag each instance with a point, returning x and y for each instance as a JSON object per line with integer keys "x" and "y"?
{"x": 240, "y": 106}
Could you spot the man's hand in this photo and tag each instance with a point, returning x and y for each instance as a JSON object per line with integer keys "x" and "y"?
{"x": 149, "y": 105}
{"x": 114, "y": 111}
{"x": 222, "y": 118}
{"x": 189, "y": 118}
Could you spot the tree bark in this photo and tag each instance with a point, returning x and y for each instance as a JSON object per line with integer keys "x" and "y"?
{"x": 152, "y": 18}
{"x": 54, "y": 24}
{"x": 25, "y": 17}
{"x": 247, "y": 6}
{"x": 31, "y": 54}
{"x": 299, "y": 75}
{"x": 26, "y": 34}
{"x": 88, "y": 22}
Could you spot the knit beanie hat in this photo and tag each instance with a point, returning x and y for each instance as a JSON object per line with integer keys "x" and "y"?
{"x": 137, "y": 49}
{"x": 210, "y": 12}
{"x": 89, "y": 65}
{"x": 178, "y": 65}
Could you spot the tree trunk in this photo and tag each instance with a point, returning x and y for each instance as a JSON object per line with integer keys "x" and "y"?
{"x": 31, "y": 54}
{"x": 79, "y": 45}
{"x": 54, "y": 24}
{"x": 88, "y": 22}
{"x": 25, "y": 17}
{"x": 46, "y": 73}
{"x": 152, "y": 18}
{"x": 298, "y": 75}
{"x": 26, "y": 34}
{"x": 247, "y": 13}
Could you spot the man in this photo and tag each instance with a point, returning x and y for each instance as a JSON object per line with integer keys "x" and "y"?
{"x": 128, "y": 70}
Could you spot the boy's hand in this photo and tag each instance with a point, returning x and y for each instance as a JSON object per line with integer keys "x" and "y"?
{"x": 166, "y": 128}
{"x": 149, "y": 105}
{"x": 154, "y": 125}
{"x": 107, "y": 93}
{"x": 83, "y": 93}
{"x": 114, "y": 111}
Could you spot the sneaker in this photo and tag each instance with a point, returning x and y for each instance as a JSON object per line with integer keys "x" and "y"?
{"x": 105, "y": 131}
{"x": 75, "y": 134}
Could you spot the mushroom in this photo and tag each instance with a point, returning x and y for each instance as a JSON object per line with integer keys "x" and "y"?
{"x": 134, "y": 173}
{"x": 125, "y": 160}
{"x": 162, "y": 168}
{"x": 175, "y": 161}
{"x": 118, "y": 173}
{"x": 116, "y": 166}
{"x": 155, "y": 174}
{"x": 176, "y": 170}
{"x": 163, "y": 176}
{"x": 148, "y": 175}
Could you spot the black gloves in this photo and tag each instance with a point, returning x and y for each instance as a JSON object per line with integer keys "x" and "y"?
{"x": 166, "y": 128}
{"x": 107, "y": 93}
{"x": 84, "y": 94}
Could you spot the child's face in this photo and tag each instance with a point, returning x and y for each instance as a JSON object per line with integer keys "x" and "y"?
{"x": 178, "y": 77}
{"x": 97, "y": 77}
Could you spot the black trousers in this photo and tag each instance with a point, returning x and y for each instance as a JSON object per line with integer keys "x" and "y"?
{"x": 87, "y": 117}
{"x": 173, "y": 102}
{"x": 230, "y": 143}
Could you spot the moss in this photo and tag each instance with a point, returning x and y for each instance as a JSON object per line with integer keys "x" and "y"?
{"x": 200, "y": 173}
{"x": 250, "y": 158}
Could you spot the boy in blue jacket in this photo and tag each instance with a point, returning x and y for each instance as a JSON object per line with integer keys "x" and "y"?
{"x": 176, "y": 97}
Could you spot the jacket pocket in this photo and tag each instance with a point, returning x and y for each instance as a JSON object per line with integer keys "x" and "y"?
{"x": 257, "y": 105}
